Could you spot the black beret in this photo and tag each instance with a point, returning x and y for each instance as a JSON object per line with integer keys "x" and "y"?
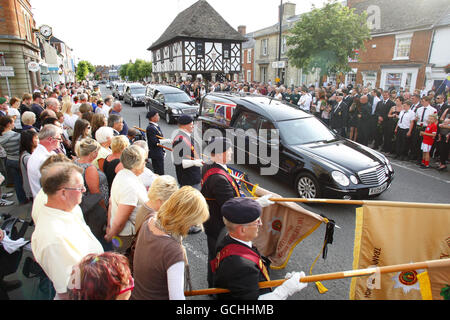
{"x": 151, "y": 114}
{"x": 185, "y": 119}
{"x": 219, "y": 145}
{"x": 241, "y": 210}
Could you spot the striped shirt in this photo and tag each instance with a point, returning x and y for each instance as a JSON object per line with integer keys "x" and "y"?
{"x": 10, "y": 141}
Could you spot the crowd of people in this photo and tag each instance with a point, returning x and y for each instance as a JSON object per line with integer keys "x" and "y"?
{"x": 105, "y": 225}
{"x": 391, "y": 120}
{"x": 108, "y": 227}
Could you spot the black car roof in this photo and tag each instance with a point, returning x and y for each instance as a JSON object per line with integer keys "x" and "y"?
{"x": 166, "y": 89}
{"x": 273, "y": 109}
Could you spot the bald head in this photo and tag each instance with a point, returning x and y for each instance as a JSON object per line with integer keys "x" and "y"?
{"x": 364, "y": 99}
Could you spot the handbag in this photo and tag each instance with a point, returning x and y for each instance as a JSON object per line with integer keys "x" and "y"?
{"x": 94, "y": 214}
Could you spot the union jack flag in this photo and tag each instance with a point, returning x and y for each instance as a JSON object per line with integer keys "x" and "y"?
{"x": 238, "y": 175}
{"x": 224, "y": 111}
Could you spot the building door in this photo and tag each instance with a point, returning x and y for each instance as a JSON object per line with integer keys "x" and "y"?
{"x": 263, "y": 74}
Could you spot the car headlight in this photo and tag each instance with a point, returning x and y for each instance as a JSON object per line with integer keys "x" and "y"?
{"x": 175, "y": 111}
{"x": 353, "y": 179}
{"x": 340, "y": 178}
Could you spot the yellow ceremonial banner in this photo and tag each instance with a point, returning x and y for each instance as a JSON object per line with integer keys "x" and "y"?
{"x": 285, "y": 224}
{"x": 391, "y": 233}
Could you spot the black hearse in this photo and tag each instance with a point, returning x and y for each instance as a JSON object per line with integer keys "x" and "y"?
{"x": 313, "y": 158}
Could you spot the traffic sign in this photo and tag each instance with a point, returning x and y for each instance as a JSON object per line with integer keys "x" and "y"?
{"x": 6, "y": 71}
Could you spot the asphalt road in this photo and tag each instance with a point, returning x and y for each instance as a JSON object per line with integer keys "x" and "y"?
{"x": 411, "y": 184}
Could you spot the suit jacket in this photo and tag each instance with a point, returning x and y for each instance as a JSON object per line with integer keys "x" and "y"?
{"x": 219, "y": 190}
{"x": 239, "y": 275}
{"x": 382, "y": 109}
{"x": 189, "y": 176}
{"x": 339, "y": 116}
{"x": 154, "y": 152}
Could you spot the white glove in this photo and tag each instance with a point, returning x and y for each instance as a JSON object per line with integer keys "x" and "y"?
{"x": 191, "y": 163}
{"x": 287, "y": 289}
{"x": 264, "y": 201}
{"x": 165, "y": 141}
{"x": 198, "y": 163}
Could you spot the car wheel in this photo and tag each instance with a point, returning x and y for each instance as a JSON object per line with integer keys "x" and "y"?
{"x": 168, "y": 118}
{"x": 307, "y": 186}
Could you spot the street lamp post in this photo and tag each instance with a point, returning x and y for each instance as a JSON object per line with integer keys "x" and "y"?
{"x": 279, "y": 39}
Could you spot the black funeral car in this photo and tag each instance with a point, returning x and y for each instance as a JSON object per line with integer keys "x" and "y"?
{"x": 314, "y": 159}
{"x": 170, "y": 102}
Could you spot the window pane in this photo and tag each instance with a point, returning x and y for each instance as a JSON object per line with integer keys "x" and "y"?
{"x": 403, "y": 46}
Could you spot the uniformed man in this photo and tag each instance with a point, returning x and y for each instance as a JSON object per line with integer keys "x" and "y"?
{"x": 339, "y": 115}
{"x": 155, "y": 152}
{"x": 218, "y": 186}
{"x": 238, "y": 266}
{"x": 186, "y": 158}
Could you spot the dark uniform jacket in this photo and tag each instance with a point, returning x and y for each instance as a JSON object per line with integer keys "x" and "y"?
{"x": 239, "y": 275}
{"x": 339, "y": 116}
{"x": 217, "y": 190}
{"x": 154, "y": 152}
{"x": 190, "y": 176}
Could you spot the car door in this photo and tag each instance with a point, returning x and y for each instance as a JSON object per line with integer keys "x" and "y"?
{"x": 159, "y": 102}
{"x": 246, "y": 128}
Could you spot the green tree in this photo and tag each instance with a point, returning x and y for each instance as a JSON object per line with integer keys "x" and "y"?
{"x": 136, "y": 71}
{"x": 84, "y": 68}
{"x": 326, "y": 38}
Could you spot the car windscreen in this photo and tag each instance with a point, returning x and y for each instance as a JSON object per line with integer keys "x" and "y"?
{"x": 138, "y": 90}
{"x": 120, "y": 88}
{"x": 304, "y": 131}
{"x": 177, "y": 97}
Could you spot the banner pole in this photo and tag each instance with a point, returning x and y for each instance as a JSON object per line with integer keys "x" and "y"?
{"x": 336, "y": 275}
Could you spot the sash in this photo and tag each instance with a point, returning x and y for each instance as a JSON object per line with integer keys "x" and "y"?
{"x": 188, "y": 142}
{"x": 212, "y": 171}
{"x": 243, "y": 252}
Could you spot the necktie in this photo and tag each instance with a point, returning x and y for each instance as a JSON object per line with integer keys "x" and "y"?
{"x": 423, "y": 114}
{"x": 401, "y": 119}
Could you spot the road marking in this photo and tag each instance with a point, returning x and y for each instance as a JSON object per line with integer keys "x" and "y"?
{"x": 420, "y": 172}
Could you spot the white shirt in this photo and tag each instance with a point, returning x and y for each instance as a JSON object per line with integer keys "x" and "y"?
{"x": 38, "y": 157}
{"x": 375, "y": 103}
{"x": 405, "y": 118}
{"x": 147, "y": 178}
{"x": 61, "y": 240}
{"x": 305, "y": 102}
{"x": 420, "y": 114}
{"x": 14, "y": 112}
{"x": 69, "y": 120}
{"x": 105, "y": 110}
{"x": 127, "y": 189}
{"x": 76, "y": 108}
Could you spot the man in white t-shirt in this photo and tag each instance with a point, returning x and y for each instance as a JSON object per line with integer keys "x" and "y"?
{"x": 305, "y": 100}
{"x": 49, "y": 140}
{"x": 61, "y": 238}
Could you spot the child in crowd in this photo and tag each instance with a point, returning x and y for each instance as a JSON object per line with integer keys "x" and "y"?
{"x": 428, "y": 139}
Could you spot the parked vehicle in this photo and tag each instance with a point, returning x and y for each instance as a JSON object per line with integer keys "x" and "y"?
{"x": 170, "y": 102}
{"x": 134, "y": 94}
{"x": 314, "y": 159}
{"x": 117, "y": 90}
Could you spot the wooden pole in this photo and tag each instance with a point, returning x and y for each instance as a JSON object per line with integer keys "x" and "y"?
{"x": 336, "y": 275}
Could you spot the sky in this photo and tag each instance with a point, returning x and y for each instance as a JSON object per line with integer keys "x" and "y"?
{"x": 113, "y": 32}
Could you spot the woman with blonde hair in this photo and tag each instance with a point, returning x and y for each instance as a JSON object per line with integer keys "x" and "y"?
{"x": 69, "y": 118}
{"x": 160, "y": 259}
{"x": 160, "y": 190}
{"x": 112, "y": 165}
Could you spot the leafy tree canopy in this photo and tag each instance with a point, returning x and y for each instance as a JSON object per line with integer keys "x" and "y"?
{"x": 138, "y": 70}
{"x": 326, "y": 38}
{"x": 83, "y": 69}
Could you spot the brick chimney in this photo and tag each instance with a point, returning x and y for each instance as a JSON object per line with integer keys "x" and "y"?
{"x": 242, "y": 30}
{"x": 351, "y": 3}
{"x": 288, "y": 10}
